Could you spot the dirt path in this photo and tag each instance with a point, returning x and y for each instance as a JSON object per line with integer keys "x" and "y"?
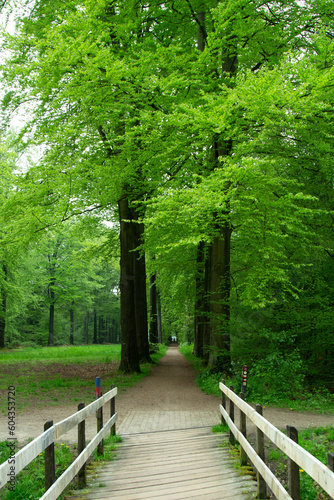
{"x": 167, "y": 399}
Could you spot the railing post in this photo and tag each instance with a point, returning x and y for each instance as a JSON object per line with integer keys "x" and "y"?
{"x": 99, "y": 414}
{"x": 232, "y": 438}
{"x": 49, "y": 460}
{"x": 243, "y": 454}
{"x": 223, "y": 421}
{"x": 81, "y": 446}
{"x": 330, "y": 457}
{"x": 261, "y": 485}
{"x": 112, "y": 412}
{"x": 99, "y": 418}
{"x": 293, "y": 468}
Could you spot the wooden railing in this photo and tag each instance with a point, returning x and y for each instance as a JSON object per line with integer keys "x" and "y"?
{"x": 45, "y": 441}
{"x": 298, "y": 457}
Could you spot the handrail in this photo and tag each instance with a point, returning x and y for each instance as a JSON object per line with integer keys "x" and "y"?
{"x": 316, "y": 469}
{"x": 58, "y": 486}
{"x": 41, "y": 442}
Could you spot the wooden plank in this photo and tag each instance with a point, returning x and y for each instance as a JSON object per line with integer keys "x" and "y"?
{"x": 178, "y": 451}
{"x": 165, "y": 460}
{"x": 167, "y": 470}
{"x": 180, "y": 491}
{"x": 161, "y": 473}
{"x": 314, "y": 468}
{"x": 211, "y": 470}
{"x": 58, "y": 487}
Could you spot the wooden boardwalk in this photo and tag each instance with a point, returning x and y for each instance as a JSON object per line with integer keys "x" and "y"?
{"x": 178, "y": 464}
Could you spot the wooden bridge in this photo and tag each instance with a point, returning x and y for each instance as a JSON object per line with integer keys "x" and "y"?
{"x": 178, "y": 464}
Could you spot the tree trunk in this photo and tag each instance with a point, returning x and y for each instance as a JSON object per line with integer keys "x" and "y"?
{"x": 51, "y": 289}
{"x": 86, "y": 327}
{"x": 51, "y": 319}
{"x": 72, "y": 324}
{"x": 100, "y": 331}
{"x": 220, "y": 355}
{"x": 153, "y": 311}
{"x": 159, "y": 318}
{"x": 140, "y": 296}
{"x": 199, "y": 302}
{"x": 95, "y": 327}
{"x": 129, "y": 351}
{"x": 206, "y": 305}
{"x": 52, "y": 297}
{"x": 3, "y": 309}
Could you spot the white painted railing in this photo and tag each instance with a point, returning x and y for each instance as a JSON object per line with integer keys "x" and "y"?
{"x": 47, "y": 438}
{"x": 298, "y": 455}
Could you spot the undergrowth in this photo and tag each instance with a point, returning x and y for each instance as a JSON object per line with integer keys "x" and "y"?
{"x": 29, "y": 483}
{"x": 318, "y": 441}
{"x": 281, "y": 395}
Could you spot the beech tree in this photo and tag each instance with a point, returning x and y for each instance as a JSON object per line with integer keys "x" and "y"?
{"x": 7, "y": 161}
{"x": 193, "y": 118}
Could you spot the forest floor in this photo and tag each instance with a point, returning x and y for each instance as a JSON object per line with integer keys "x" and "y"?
{"x": 169, "y": 393}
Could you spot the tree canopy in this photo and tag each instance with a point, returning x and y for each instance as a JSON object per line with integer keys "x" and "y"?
{"x": 206, "y": 128}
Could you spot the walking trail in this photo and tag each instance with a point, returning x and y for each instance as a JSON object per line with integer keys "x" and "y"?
{"x": 167, "y": 399}
{"x": 169, "y": 451}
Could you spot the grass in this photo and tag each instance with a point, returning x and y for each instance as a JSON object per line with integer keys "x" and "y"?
{"x": 318, "y": 441}
{"x": 66, "y": 354}
{"x": 64, "y": 375}
{"x": 318, "y": 401}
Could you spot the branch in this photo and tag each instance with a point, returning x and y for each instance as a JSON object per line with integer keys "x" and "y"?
{"x": 202, "y": 28}
{"x": 328, "y": 252}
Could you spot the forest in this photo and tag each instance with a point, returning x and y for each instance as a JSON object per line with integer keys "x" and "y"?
{"x": 167, "y": 170}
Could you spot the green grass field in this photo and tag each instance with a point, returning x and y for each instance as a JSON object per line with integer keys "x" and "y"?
{"x": 66, "y": 354}
{"x": 64, "y": 375}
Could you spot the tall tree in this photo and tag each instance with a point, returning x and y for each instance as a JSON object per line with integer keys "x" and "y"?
{"x": 162, "y": 97}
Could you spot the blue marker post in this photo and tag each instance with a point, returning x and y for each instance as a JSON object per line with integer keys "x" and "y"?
{"x": 98, "y": 387}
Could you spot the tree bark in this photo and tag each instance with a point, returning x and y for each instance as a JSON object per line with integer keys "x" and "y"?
{"x": 206, "y": 305}
{"x": 95, "y": 327}
{"x": 52, "y": 298}
{"x": 140, "y": 295}
{"x": 3, "y": 309}
{"x": 220, "y": 355}
{"x": 51, "y": 318}
{"x": 72, "y": 324}
{"x": 129, "y": 351}
{"x": 153, "y": 311}
{"x": 100, "y": 330}
{"x": 159, "y": 317}
{"x": 51, "y": 289}
{"x": 86, "y": 327}
{"x": 199, "y": 302}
